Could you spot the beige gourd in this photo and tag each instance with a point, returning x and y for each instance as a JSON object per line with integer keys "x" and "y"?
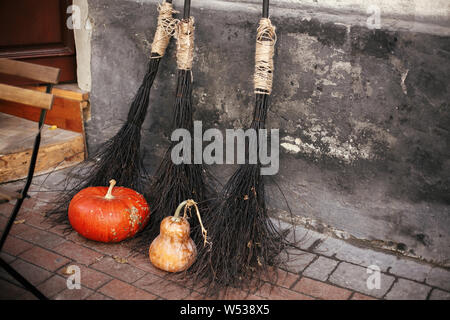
{"x": 173, "y": 250}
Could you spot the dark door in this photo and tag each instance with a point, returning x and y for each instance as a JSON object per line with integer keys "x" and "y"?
{"x": 36, "y": 31}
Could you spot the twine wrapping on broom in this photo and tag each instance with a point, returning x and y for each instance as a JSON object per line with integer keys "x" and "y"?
{"x": 165, "y": 29}
{"x": 185, "y": 43}
{"x": 265, "y": 48}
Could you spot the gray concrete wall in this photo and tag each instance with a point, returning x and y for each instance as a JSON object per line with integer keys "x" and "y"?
{"x": 363, "y": 114}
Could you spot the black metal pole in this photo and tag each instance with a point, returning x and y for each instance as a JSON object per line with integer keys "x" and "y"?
{"x": 24, "y": 192}
{"x": 187, "y": 9}
{"x": 265, "y": 13}
{"x": 22, "y": 280}
{"x": 18, "y": 205}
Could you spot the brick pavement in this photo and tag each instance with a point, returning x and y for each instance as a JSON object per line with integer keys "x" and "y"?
{"x": 325, "y": 268}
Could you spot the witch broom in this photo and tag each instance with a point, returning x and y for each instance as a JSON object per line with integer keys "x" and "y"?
{"x": 120, "y": 157}
{"x": 245, "y": 242}
{"x": 174, "y": 183}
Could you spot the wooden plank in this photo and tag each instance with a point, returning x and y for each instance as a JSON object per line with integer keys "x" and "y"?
{"x": 18, "y": 134}
{"x": 69, "y": 94}
{"x": 51, "y": 157}
{"x": 29, "y": 70}
{"x": 65, "y": 114}
{"x": 67, "y": 65}
{"x": 25, "y": 96}
{"x": 86, "y": 106}
{"x": 67, "y": 91}
{"x": 71, "y": 91}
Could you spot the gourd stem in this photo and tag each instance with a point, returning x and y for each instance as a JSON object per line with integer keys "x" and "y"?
{"x": 204, "y": 232}
{"x": 177, "y": 212}
{"x": 189, "y": 203}
{"x": 109, "y": 195}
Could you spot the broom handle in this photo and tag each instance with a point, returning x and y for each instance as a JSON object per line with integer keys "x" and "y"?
{"x": 187, "y": 9}
{"x": 265, "y": 13}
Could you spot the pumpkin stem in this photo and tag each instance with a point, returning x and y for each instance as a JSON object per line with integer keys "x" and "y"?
{"x": 109, "y": 195}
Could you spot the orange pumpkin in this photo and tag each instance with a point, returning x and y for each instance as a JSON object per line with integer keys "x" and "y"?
{"x": 108, "y": 214}
{"x": 173, "y": 249}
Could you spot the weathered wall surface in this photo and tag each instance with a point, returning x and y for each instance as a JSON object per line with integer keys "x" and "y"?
{"x": 363, "y": 114}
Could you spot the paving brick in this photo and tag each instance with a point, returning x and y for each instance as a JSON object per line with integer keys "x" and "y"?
{"x": 74, "y": 294}
{"x": 36, "y": 220}
{"x": 62, "y": 230}
{"x": 122, "y": 271}
{"x": 15, "y": 246}
{"x": 304, "y": 238}
{"x": 28, "y": 296}
{"x": 56, "y": 180}
{"x": 231, "y": 294}
{"x": 28, "y": 203}
{"x": 32, "y": 273}
{"x": 353, "y": 254}
{"x": 90, "y": 278}
{"x": 77, "y": 238}
{"x": 7, "y": 257}
{"x": 410, "y": 269}
{"x": 44, "y": 258}
{"x": 198, "y": 285}
{"x": 281, "y": 278}
{"x": 6, "y": 276}
{"x": 18, "y": 229}
{"x": 53, "y": 286}
{"x": 47, "y": 197}
{"x": 6, "y": 209}
{"x": 113, "y": 249}
{"x": 359, "y": 296}
{"x": 162, "y": 287}
{"x": 14, "y": 186}
{"x": 199, "y": 296}
{"x": 9, "y": 291}
{"x": 440, "y": 278}
{"x": 42, "y": 207}
{"x": 3, "y": 223}
{"x": 42, "y": 238}
{"x": 278, "y": 293}
{"x": 296, "y": 260}
{"x": 98, "y": 296}
{"x": 236, "y": 294}
{"x": 355, "y": 278}
{"x": 78, "y": 253}
{"x": 120, "y": 290}
{"x": 321, "y": 290}
{"x": 321, "y": 268}
{"x": 408, "y": 290}
{"x": 142, "y": 262}
{"x": 437, "y": 294}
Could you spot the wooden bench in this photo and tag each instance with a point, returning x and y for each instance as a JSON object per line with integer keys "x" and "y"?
{"x": 44, "y": 101}
{"x": 63, "y": 138}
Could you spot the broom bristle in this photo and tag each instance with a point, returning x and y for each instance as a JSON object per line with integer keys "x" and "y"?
{"x": 246, "y": 245}
{"x": 118, "y": 158}
{"x": 175, "y": 183}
